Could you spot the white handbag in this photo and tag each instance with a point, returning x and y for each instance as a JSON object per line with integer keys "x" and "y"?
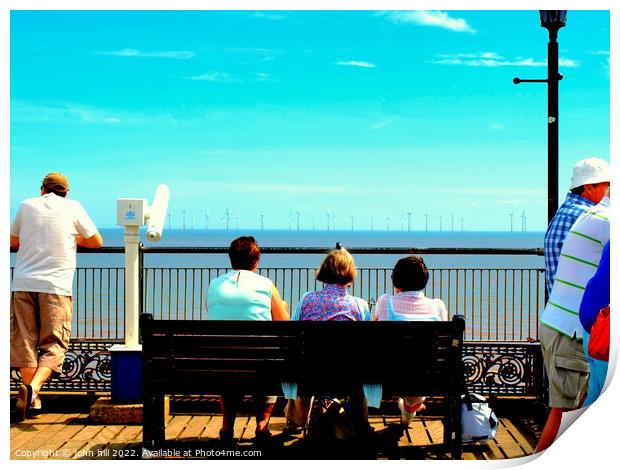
{"x": 478, "y": 421}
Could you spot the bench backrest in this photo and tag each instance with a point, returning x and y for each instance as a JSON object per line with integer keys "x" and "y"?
{"x": 191, "y": 356}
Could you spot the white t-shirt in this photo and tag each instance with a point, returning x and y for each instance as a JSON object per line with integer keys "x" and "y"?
{"x": 47, "y": 228}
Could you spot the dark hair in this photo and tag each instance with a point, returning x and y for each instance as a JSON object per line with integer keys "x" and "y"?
{"x": 338, "y": 267}
{"x": 410, "y": 273}
{"x": 578, "y": 190}
{"x": 244, "y": 253}
{"x": 55, "y": 191}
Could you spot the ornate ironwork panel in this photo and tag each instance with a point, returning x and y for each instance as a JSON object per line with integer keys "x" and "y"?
{"x": 494, "y": 368}
{"x": 509, "y": 369}
{"x": 86, "y": 369}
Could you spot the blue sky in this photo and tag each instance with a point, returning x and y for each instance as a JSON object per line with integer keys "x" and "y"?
{"x": 359, "y": 113}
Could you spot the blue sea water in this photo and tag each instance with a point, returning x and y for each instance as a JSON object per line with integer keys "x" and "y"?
{"x": 328, "y": 239}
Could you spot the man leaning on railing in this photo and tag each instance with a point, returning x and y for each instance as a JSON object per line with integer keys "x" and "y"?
{"x": 46, "y": 231}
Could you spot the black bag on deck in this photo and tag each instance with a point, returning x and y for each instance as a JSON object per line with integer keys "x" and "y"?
{"x": 330, "y": 420}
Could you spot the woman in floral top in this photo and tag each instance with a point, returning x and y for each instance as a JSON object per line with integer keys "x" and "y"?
{"x": 332, "y": 303}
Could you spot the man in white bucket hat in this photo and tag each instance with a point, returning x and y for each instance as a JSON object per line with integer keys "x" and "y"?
{"x": 590, "y": 180}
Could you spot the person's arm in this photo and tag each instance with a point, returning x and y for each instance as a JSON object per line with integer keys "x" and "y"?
{"x": 597, "y": 293}
{"x": 279, "y": 308}
{"x": 15, "y": 226}
{"x": 92, "y": 242}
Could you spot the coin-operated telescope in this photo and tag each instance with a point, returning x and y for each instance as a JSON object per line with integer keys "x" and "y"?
{"x": 126, "y": 367}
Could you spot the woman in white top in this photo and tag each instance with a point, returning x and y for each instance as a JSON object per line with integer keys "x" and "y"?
{"x": 241, "y": 294}
{"x": 409, "y": 278}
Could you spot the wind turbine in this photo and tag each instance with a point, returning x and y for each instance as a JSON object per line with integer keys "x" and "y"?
{"x": 262, "y": 221}
{"x": 351, "y": 216}
{"x": 298, "y": 215}
{"x": 387, "y": 222}
{"x": 523, "y": 218}
{"x": 169, "y": 220}
{"x": 227, "y": 218}
{"x": 402, "y": 223}
{"x": 462, "y": 224}
{"x": 191, "y": 222}
{"x": 441, "y": 223}
{"x": 290, "y": 219}
{"x": 408, "y": 221}
{"x": 207, "y": 220}
{"x": 452, "y": 220}
{"x": 327, "y": 215}
{"x": 183, "y": 212}
{"x": 511, "y": 215}
{"x": 313, "y": 223}
{"x": 426, "y": 216}
{"x": 372, "y": 223}
{"x": 333, "y": 220}
{"x": 237, "y": 222}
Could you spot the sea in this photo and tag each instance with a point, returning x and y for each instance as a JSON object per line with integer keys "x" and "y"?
{"x": 327, "y": 239}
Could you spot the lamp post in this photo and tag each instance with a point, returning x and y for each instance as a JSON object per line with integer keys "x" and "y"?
{"x": 552, "y": 20}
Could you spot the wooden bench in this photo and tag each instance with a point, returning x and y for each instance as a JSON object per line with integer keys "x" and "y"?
{"x": 205, "y": 357}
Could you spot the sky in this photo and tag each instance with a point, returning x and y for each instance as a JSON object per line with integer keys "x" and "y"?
{"x": 365, "y": 115}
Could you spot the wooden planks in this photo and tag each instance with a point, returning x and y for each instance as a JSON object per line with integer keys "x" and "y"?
{"x": 72, "y": 436}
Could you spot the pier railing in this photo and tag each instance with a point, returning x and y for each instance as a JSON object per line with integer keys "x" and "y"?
{"x": 500, "y": 305}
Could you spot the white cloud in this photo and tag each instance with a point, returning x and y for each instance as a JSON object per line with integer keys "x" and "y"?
{"x": 356, "y": 63}
{"x": 496, "y": 191}
{"x": 436, "y": 18}
{"x": 223, "y": 77}
{"x": 61, "y": 112}
{"x": 281, "y": 187}
{"x": 216, "y": 77}
{"x": 382, "y": 124}
{"x": 161, "y": 54}
{"x": 72, "y": 113}
{"x": 568, "y": 62}
{"x": 492, "y": 59}
{"x": 269, "y": 16}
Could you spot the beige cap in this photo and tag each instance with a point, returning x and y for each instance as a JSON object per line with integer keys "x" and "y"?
{"x": 56, "y": 182}
{"x": 590, "y": 171}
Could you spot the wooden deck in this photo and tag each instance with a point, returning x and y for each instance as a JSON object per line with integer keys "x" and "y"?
{"x": 71, "y": 435}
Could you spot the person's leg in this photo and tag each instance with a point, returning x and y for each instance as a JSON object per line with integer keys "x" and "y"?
{"x": 598, "y": 374}
{"x": 229, "y": 404}
{"x": 359, "y": 412}
{"x": 296, "y": 411}
{"x": 263, "y": 407}
{"x": 567, "y": 372}
{"x": 55, "y": 332}
{"x": 550, "y": 431}
{"x": 24, "y": 328}
{"x": 414, "y": 404}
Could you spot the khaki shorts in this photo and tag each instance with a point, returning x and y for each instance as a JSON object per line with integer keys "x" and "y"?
{"x": 567, "y": 368}
{"x": 40, "y": 329}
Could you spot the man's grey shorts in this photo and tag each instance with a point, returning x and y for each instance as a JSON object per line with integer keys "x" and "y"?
{"x": 567, "y": 368}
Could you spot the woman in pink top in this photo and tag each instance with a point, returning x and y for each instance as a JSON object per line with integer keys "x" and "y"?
{"x": 409, "y": 278}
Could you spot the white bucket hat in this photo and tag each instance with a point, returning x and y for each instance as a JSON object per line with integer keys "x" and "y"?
{"x": 590, "y": 171}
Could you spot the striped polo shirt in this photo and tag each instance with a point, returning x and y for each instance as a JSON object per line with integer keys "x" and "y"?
{"x": 578, "y": 262}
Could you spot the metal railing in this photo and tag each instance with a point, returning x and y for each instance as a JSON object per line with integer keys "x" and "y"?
{"x": 499, "y": 304}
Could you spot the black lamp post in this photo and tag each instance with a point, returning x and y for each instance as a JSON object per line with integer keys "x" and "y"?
{"x": 553, "y": 20}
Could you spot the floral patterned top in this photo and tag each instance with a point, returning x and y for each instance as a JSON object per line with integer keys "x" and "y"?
{"x": 332, "y": 303}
